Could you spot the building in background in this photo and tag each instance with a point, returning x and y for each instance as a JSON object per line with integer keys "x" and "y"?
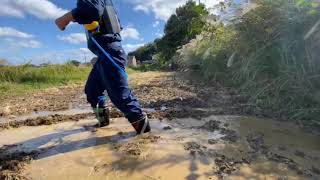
{"x": 132, "y": 61}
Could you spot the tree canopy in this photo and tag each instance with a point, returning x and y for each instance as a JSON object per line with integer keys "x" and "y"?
{"x": 181, "y": 27}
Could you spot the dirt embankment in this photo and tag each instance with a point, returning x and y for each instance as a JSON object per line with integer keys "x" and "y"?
{"x": 166, "y": 93}
{"x": 52, "y": 99}
{"x": 154, "y": 90}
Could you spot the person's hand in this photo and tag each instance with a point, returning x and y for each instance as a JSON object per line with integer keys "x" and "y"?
{"x": 63, "y": 21}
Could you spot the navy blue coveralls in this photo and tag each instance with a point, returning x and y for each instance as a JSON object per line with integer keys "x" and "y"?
{"x": 104, "y": 75}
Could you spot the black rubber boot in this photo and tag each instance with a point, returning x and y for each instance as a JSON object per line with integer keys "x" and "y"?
{"x": 142, "y": 125}
{"x": 102, "y": 114}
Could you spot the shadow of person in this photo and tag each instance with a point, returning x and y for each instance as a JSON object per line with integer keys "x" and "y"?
{"x": 38, "y": 142}
{"x": 66, "y": 147}
{"x": 55, "y": 143}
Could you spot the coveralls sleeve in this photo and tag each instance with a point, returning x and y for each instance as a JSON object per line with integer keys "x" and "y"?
{"x": 87, "y": 11}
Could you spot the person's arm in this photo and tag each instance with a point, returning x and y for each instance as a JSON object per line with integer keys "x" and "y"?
{"x": 63, "y": 21}
{"x": 86, "y": 12}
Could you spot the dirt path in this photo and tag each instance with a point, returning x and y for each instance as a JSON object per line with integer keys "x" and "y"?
{"x": 198, "y": 133}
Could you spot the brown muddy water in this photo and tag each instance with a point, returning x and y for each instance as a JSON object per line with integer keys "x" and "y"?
{"x": 216, "y": 147}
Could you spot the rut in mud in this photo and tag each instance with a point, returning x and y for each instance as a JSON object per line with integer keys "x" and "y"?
{"x": 198, "y": 133}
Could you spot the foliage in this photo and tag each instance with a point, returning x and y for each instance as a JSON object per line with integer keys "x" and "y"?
{"x": 147, "y": 67}
{"x": 145, "y": 52}
{"x": 4, "y": 62}
{"x": 184, "y": 25}
{"x": 55, "y": 74}
{"x": 19, "y": 79}
{"x": 15, "y": 80}
{"x": 270, "y": 54}
{"x": 181, "y": 27}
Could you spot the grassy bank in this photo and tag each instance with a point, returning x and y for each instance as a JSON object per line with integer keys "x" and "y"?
{"x": 15, "y": 80}
{"x": 271, "y": 54}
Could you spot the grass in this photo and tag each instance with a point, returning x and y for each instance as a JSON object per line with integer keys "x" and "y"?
{"x": 266, "y": 55}
{"x": 16, "y": 80}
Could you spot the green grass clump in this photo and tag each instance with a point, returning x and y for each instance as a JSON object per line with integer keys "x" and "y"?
{"x": 51, "y": 74}
{"x": 15, "y": 80}
{"x": 19, "y": 79}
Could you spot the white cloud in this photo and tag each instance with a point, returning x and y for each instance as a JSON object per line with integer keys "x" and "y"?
{"x": 142, "y": 8}
{"x": 9, "y": 9}
{"x": 163, "y": 9}
{"x": 29, "y": 44}
{"x": 74, "y": 38}
{"x": 156, "y": 24}
{"x": 130, "y": 33}
{"x": 16, "y": 39}
{"x": 131, "y": 47}
{"x": 42, "y": 9}
{"x": 23, "y": 43}
{"x": 11, "y": 32}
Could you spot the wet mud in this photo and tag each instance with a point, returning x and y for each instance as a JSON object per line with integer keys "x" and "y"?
{"x": 136, "y": 147}
{"x": 13, "y": 163}
{"x": 118, "y": 151}
{"x": 52, "y": 99}
{"x": 197, "y": 133}
{"x": 47, "y": 120}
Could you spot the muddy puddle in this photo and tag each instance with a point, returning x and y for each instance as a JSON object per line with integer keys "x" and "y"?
{"x": 215, "y": 147}
{"x": 53, "y": 117}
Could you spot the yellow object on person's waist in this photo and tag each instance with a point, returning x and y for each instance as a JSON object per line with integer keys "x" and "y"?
{"x": 90, "y": 27}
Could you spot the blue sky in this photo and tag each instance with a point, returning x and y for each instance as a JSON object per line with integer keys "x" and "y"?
{"x": 28, "y": 32}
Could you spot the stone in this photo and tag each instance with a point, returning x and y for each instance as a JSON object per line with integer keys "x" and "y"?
{"x": 5, "y": 111}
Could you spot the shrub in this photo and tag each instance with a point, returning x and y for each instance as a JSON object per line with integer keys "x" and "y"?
{"x": 270, "y": 53}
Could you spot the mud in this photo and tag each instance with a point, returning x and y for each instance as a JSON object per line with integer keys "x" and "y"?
{"x": 13, "y": 163}
{"x": 48, "y": 120}
{"x": 195, "y": 148}
{"x": 136, "y": 147}
{"x": 214, "y": 125}
{"x": 52, "y": 99}
{"x": 174, "y": 113}
{"x": 225, "y": 166}
{"x": 191, "y": 139}
{"x": 256, "y": 142}
{"x": 258, "y": 147}
{"x": 116, "y": 151}
{"x": 222, "y": 165}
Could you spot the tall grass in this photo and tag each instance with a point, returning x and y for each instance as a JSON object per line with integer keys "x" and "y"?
{"x": 19, "y": 79}
{"x": 15, "y": 80}
{"x": 271, "y": 54}
{"x": 51, "y": 74}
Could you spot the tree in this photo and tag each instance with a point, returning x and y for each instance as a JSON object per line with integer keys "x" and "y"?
{"x": 145, "y": 52}
{"x": 184, "y": 25}
{"x": 181, "y": 27}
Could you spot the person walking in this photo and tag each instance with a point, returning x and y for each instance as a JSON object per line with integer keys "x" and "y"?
{"x": 108, "y": 72}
